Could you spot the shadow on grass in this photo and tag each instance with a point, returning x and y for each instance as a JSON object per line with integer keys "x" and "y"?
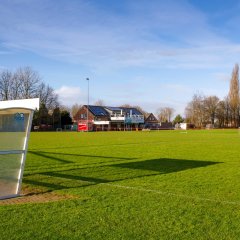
{"x": 83, "y": 181}
{"x": 48, "y": 155}
{"x": 139, "y": 169}
{"x": 165, "y": 165}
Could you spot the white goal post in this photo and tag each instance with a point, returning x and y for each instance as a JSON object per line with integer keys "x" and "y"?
{"x": 15, "y": 125}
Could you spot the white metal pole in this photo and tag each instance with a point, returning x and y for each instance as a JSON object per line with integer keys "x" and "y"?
{"x": 24, "y": 153}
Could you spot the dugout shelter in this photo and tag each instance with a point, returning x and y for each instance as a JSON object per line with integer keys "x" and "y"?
{"x": 15, "y": 126}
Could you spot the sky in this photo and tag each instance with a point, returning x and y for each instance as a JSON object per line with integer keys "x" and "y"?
{"x": 151, "y": 53}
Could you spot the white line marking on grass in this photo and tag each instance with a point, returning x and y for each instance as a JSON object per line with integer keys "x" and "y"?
{"x": 173, "y": 194}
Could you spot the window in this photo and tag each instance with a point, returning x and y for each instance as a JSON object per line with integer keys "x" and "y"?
{"x": 83, "y": 116}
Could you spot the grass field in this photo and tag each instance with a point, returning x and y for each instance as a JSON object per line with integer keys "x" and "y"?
{"x": 130, "y": 185}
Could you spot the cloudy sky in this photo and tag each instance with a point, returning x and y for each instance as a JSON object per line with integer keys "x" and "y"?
{"x": 152, "y": 53}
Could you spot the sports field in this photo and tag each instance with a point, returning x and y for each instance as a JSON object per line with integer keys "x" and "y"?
{"x": 129, "y": 185}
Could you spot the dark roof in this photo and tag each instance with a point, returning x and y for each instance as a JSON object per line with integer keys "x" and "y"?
{"x": 134, "y": 111}
{"x": 152, "y": 116}
{"x": 101, "y": 110}
{"x": 98, "y": 110}
{"x": 113, "y": 108}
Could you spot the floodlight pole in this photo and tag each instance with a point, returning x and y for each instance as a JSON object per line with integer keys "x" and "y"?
{"x": 87, "y": 104}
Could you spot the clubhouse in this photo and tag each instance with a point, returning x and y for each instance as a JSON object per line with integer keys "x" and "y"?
{"x": 104, "y": 118}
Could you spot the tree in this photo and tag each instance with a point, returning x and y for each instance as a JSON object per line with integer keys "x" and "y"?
{"x": 16, "y": 86}
{"x": 74, "y": 109}
{"x": 56, "y": 118}
{"x": 233, "y": 96}
{"x": 140, "y": 109}
{"x": 178, "y": 119}
{"x": 195, "y": 110}
{"x": 5, "y": 85}
{"x": 169, "y": 112}
{"x": 99, "y": 102}
{"x": 161, "y": 115}
{"x": 227, "y": 111}
{"x": 126, "y": 105}
{"x": 47, "y": 96}
{"x": 65, "y": 118}
{"x": 221, "y": 114}
{"x": 165, "y": 114}
{"x": 41, "y": 116}
{"x": 210, "y": 108}
{"x": 27, "y": 81}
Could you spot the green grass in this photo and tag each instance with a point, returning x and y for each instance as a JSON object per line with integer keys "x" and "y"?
{"x": 130, "y": 185}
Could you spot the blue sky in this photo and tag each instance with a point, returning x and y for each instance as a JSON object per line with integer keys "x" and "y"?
{"x": 151, "y": 53}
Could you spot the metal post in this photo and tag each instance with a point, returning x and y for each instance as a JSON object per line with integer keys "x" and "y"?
{"x": 87, "y": 104}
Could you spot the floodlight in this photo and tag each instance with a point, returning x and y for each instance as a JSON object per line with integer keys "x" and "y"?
{"x": 15, "y": 125}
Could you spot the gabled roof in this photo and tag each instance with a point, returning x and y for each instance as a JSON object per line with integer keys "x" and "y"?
{"x": 151, "y": 118}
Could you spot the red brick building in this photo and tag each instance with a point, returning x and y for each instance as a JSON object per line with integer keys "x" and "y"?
{"x": 101, "y": 118}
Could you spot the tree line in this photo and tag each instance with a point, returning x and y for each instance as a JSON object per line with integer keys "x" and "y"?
{"x": 206, "y": 111}
{"x": 25, "y": 83}
{"x": 210, "y": 110}
{"x": 201, "y": 111}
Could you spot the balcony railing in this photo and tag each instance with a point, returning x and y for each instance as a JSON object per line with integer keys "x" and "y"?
{"x": 134, "y": 119}
{"x": 117, "y": 117}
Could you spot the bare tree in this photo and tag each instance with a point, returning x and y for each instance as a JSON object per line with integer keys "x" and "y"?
{"x": 140, "y": 109}
{"x": 161, "y": 114}
{"x": 165, "y": 114}
{"x": 210, "y": 108}
{"x": 28, "y": 82}
{"x": 47, "y": 96}
{"x": 16, "y": 86}
{"x": 195, "y": 110}
{"x": 227, "y": 111}
{"x": 74, "y": 109}
{"x": 99, "y": 102}
{"x": 221, "y": 114}
{"x": 234, "y": 96}
{"x": 170, "y": 112}
{"x": 126, "y": 105}
{"x": 5, "y": 85}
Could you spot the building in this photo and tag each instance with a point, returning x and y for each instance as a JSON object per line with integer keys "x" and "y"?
{"x": 186, "y": 126}
{"x": 151, "y": 122}
{"x": 104, "y": 118}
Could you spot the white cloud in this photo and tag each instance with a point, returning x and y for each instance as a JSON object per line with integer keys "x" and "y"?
{"x": 163, "y": 36}
{"x": 151, "y": 35}
{"x": 70, "y": 95}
